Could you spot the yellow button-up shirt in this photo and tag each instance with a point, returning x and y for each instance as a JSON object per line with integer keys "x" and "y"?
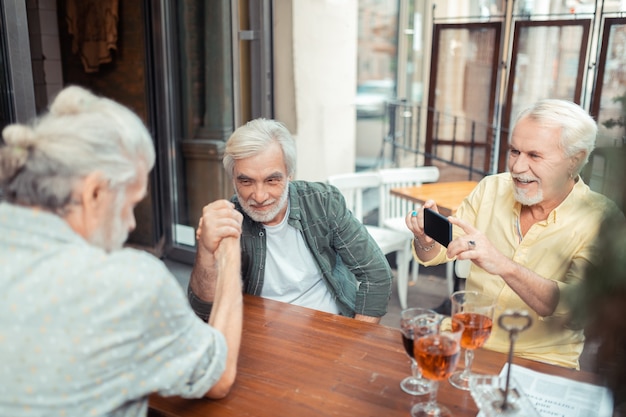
{"x": 558, "y": 248}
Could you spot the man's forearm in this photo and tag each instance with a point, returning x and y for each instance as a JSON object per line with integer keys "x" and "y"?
{"x": 202, "y": 285}
{"x": 227, "y": 314}
{"x": 204, "y": 276}
{"x": 541, "y": 294}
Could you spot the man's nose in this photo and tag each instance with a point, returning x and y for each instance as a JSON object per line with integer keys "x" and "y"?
{"x": 260, "y": 193}
{"x": 519, "y": 164}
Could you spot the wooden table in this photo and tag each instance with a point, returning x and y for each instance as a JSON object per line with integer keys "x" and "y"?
{"x": 300, "y": 362}
{"x": 447, "y": 195}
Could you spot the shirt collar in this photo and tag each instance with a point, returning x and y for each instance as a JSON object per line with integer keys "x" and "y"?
{"x": 295, "y": 211}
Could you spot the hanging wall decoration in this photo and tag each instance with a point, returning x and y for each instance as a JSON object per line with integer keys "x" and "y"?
{"x": 93, "y": 25}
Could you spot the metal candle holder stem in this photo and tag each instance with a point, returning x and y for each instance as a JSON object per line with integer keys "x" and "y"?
{"x": 514, "y": 322}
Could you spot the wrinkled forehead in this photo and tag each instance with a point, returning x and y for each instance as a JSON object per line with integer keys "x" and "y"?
{"x": 531, "y": 132}
{"x": 269, "y": 162}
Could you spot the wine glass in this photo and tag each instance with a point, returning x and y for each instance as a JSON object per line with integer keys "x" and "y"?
{"x": 475, "y": 310}
{"x": 411, "y": 318}
{"x": 437, "y": 355}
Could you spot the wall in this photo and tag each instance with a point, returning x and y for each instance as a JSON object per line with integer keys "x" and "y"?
{"x": 315, "y": 93}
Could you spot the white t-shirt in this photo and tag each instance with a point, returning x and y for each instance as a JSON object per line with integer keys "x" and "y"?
{"x": 291, "y": 274}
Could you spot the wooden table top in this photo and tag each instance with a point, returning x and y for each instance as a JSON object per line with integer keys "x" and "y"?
{"x": 447, "y": 195}
{"x": 300, "y": 362}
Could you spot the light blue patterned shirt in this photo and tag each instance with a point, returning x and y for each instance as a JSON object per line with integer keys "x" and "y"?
{"x": 86, "y": 333}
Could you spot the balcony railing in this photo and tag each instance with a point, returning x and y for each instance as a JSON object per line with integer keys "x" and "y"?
{"x": 455, "y": 141}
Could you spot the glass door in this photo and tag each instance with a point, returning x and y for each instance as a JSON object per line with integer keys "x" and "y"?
{"x": 211, "y": 73}
{"x": 607, "y": 166}
{"x": 462, "y": 98}
{"x": 17, "y": 94}
{"x": 7, "y": 113}
{"x": 609, "y": 99}
{"x": 547, "y": 61}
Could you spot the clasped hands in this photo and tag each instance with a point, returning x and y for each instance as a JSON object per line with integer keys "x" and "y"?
{"x": 219, "y": 220}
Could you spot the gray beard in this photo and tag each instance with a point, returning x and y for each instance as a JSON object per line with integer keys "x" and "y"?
{"x": 264, "y": 217}
{"x": 523, "y": 199}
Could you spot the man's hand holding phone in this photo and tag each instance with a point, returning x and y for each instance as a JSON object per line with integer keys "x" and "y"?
{"x": 420, "y": 223}
{"x": 437, "y": 227}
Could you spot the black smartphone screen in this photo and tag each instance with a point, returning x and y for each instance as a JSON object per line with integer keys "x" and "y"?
{"x": 437, "y": 227}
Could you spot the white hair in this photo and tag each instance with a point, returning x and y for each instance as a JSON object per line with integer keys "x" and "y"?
{"x": 81, "y": 134}
{"x": 578, "y": 129}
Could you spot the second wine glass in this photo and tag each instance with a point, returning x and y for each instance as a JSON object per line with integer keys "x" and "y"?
{"x": 437, "y": 355}
{"x": 411, "y": 319}
{"x": 475, "y": 311}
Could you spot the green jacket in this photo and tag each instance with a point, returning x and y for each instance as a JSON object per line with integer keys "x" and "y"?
{"x": 351, "y": 263}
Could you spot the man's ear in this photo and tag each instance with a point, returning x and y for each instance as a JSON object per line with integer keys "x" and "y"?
{"x": 90, "y": 196}
{"x": 93, "y": 192}
{"x": 577, "y": 160}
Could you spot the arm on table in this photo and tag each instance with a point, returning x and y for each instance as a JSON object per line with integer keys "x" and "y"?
{"x": 219, "y": 220}
{"x": 227, "y": 312}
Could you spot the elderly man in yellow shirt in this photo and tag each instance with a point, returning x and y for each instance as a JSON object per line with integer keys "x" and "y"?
{"x": 530, "y": 233}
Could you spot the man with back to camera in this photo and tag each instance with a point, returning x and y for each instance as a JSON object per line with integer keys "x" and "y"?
{"x": 88, "y": 328}
{"x": 530, "y": 233}
{"x": 299, "y": 242}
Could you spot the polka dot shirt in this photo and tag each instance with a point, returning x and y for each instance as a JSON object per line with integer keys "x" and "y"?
{"x": 86, "y": 333}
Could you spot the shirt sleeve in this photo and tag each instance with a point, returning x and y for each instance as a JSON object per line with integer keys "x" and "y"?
{"x": 589, "y": 255}
{"x": 362, "y": 256}
{"x": 173, "y": 351}
{"x": 200, "y": 307}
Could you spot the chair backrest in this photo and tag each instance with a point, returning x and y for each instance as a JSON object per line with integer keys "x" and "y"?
{"x": 353, "y": 186}
{"x": 391, "y": 206}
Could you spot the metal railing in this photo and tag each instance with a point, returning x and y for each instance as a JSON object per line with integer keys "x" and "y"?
{"x": 451, "y": 140}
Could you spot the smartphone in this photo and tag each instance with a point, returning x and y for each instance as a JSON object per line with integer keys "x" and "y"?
{"x": 437, "y": 227}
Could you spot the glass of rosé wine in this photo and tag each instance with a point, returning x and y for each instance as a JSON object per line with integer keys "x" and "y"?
{"x": 412, "y": 322}
{"x": 475, "y": 310}
{"x": 437, "y": 354}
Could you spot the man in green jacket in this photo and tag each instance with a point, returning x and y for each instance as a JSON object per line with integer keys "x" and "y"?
{"x": 299, "y": 242}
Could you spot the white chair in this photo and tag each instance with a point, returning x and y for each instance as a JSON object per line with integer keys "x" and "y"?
{"x": 353, "y": 186}
{"x": 393, "y": 210}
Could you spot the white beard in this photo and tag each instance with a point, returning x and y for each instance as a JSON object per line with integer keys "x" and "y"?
{"x": 521, "y": 194}
{"x": 264, "y": 216}
{"x": 522, "y": 198}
